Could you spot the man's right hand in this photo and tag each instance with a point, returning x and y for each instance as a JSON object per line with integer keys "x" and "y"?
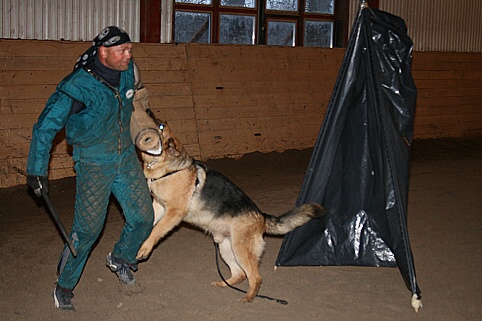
{"x": 39, "y": 184}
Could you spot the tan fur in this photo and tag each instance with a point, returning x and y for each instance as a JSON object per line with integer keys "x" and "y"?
{"x": 179, "y": 197}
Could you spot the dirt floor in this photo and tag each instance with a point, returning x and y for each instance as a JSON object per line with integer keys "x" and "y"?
{"x": 445, "y": 204}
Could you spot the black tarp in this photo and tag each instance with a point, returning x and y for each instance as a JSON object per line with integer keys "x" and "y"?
{"x": 359, "y": 169}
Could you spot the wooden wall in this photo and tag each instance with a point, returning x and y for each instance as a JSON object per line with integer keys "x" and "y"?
{"x": 226, "y": 101}
{"x": 449, "y": 102}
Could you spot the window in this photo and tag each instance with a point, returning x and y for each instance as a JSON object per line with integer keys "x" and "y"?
{"x": 192, "y": 27}
{"x": 237, "y": 29}
{"x": 318, "y": 34}
{"x": 272, "y": 22}
{"x": 281, "y": 33}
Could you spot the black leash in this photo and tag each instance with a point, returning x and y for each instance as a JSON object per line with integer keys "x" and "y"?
{"x": 216, "y": 246}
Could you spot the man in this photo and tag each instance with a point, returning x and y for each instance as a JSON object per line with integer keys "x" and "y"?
{"x": 94, "y": 103}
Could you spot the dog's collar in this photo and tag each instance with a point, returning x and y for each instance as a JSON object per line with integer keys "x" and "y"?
{"x": 195, "y": 162}
{"x": 165, "y": 175}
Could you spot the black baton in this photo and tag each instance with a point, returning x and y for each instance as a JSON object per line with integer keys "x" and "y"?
{"x": 56, "y": 217}
{"x": 59, "y": 223}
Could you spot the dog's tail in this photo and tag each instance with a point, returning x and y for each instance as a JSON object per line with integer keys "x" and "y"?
{"x": 292, "y": 219}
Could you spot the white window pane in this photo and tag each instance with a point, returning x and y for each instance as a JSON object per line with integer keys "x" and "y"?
{"x": 237, "y": 29}
{"x": 192, "y": 27}
{"x": 318, "y": 34}
{"x": 320, "y": 6}
{"x": 281, "y": 33}
{"x": 239, "y": 3}
{"x": 282, "y": 5}
{"x": 204, "y": 2}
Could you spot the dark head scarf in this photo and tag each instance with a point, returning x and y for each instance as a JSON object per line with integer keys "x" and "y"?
{"x": 108, "y": 37}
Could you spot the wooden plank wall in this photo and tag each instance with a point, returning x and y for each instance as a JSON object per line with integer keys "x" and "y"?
{"x": 226, "y": 101}
{"x": 449, "y": 102}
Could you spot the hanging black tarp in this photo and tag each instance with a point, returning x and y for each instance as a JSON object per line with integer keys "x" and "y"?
{"x": 359, "y": 169}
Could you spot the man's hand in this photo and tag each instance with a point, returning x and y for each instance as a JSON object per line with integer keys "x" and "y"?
{"x": 39, "y": 184}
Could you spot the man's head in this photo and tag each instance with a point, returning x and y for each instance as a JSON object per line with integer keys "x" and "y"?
{"x": 116, "y": 57}
{"x": 113, "y": 48}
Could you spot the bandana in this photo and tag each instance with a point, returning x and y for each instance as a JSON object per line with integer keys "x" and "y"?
{"x": 108, "y": 37}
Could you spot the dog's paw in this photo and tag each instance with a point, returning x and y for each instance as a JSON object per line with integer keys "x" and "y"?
{"x": 245, "y": 299}
{"x": 144, "y": 252}
{"x": 220, "y": 284}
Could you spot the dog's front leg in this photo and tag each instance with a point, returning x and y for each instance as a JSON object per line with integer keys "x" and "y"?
{"x": 159, "y": 211}
{"x": 171, "y": 219}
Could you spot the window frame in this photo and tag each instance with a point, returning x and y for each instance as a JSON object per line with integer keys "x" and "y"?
{"x": 152, "y": 12}
{"x": 262, "y": 16}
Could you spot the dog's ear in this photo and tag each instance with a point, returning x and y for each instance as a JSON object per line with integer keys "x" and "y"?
{"x": 172, "y": 147}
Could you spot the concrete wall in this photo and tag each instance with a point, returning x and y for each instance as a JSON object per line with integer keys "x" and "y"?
{"x": 226, "y": 101}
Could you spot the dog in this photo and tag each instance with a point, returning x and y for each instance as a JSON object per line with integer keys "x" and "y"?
{"x": 184, "y": 189}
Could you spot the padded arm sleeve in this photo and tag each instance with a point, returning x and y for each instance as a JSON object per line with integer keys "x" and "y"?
{"x": 52, "y": 119}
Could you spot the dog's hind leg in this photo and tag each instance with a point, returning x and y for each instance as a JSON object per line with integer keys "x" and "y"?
{"x": 248, "y": 248}
{"x": 237, "y": 273}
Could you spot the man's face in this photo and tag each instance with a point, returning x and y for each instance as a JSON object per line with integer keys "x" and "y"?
{"x": 117, "y": 57}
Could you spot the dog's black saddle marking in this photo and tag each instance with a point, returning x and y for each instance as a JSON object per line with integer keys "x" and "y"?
{"x": 224, "y": 197}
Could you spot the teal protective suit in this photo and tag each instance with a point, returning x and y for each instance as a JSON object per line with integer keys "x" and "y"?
{"x": 106, "y": 162}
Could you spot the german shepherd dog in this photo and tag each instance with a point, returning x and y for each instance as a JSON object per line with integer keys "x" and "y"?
{"x": 185, "y": 190}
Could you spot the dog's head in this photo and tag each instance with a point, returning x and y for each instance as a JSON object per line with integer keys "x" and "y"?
{"x": 170, "y": 144}
{"x": 171, "y": 150}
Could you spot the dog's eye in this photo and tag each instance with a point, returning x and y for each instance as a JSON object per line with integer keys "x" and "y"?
{"x": 161, "y": 126}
